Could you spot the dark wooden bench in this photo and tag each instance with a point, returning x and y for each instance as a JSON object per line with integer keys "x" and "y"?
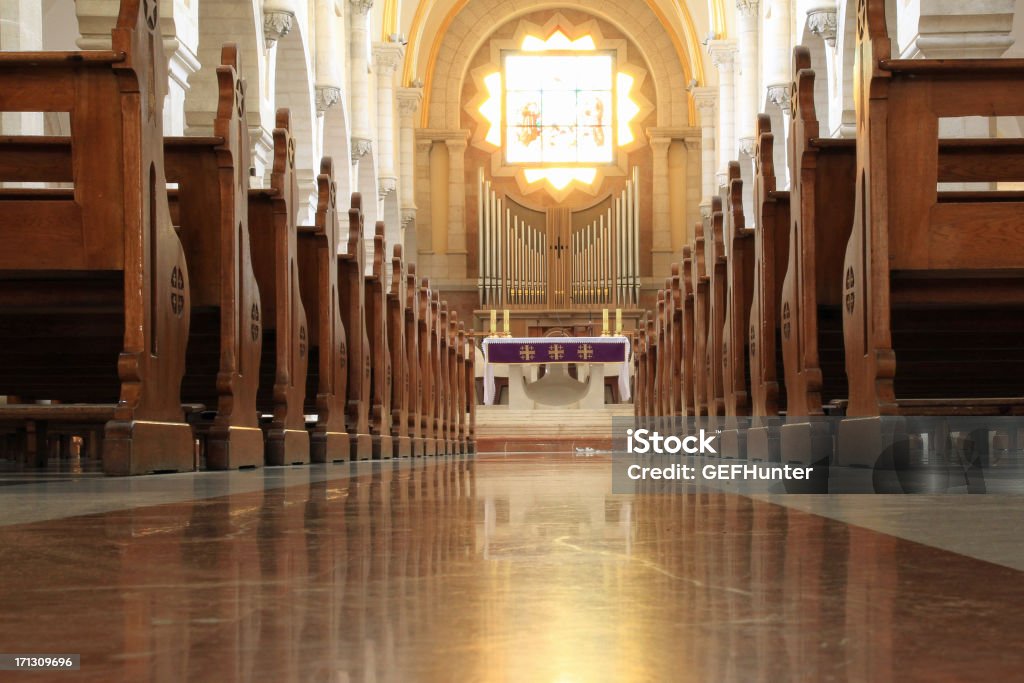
{"x": 352, "y": 283}
{"x": 398, "y": 346}
{"x": 715, "y": 258}
{"x": 428, "y": 377}
{"x": 771, "y": 253}
{"x": 226, "y": 331}
{"x": 105, "y": 317}
{"x": 327, "y": 377}
{"x": 413, "y": 341}
{"x": 380, "y": 355}
{"x": 286, "y": 336}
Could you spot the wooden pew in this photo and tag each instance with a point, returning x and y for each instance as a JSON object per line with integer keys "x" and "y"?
{"x": 327, "y": 376}
{"x": 444, "y": 376}
{"x": 739, "y": 250}
{"x": 738, "y": 241}
{"x": 660, "y": 357}
{"x": 468, "y": 387}
{"x": 687, "y": 371}
{"x": 932, "y": 292}
{"x": 771, "y": 253}
{"x": 639, "y": 370}
{"x": 428, "y": 376}
{"x": 380, "y": 355}
{"x": 118, "y": 284}
{"x": 398, "y": 346}
{"x": 676, "y": 336}
{"x": 456, "y": 361}
{"x": 698, "y": 351}
{"x": 714, "y": 255}
{"x": 413, "y": 362}
{"x": 225, "y": 341}
{"x": 286, "y": 338}
{"x": 352, "y": 285}
{"x": 821, "y": 207}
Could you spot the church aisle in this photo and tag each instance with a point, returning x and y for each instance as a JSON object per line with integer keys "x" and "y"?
{"x": 494, "y": 568}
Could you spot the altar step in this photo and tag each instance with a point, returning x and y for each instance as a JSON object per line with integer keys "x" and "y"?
{"x": 499, "y": 429}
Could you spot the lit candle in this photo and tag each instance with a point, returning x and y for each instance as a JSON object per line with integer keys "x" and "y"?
{"x": 494, "y": 321}
{"x": 618, "y": 322}
{"x": 604, "y": 322}
{"x": 506, "y": 324}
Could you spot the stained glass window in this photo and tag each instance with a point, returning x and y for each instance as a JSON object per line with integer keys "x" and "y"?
{"x": 559, "y": 108}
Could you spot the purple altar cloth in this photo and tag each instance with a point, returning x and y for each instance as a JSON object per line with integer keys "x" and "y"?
{"x": 556, "y": 350}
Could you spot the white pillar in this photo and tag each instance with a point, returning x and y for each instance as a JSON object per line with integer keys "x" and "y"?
{"x": 781, "y": 97}
{"x": 747, "y": 105}
{"x": 778, "y": 57}
{"x": 21, "y": 29}
{"x": 179, "y": 25}
{"x": 408, "y": 104}
{"x": 723, "y": 54}
{"x": 329, "y": 76}
{"x": 457, "y": 203}
{"x": 386, "y": 57}
{"x": 359, "y": 83}
{"x": 706, "y": 100}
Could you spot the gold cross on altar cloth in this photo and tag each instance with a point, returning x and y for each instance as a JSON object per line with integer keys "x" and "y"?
{"x": 586, "y": 351}
{"x": 556, "y": 352}
{"x": 526, "y": 352}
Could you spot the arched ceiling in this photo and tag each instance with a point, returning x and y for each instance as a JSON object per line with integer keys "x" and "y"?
{"x": 687, "y": 23}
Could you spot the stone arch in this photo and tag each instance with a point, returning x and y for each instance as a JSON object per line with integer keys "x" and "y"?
{"x": 293, "y": 89}
{"x": 337, "y": 145}
{"x": 222, "y": 21}
{"x": 473, "y": 25}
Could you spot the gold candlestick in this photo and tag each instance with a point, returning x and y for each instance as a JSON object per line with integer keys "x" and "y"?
{"x": 618, "y": 322}
{"x": 494, "y": 322}
{"x": 604, "y": 322}
{"x": 507, "y": 334}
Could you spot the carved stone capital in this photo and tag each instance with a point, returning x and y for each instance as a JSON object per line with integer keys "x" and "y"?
{"x": 706, "y": 101}
{"x": 387, "y": 57}
{"x": 276, "y": 25}
{"x": 779, "y": 95}
{"x": 746, "y": 146}
{"x": 360, "y": 148}
{"x": 409, "y": 100}
{"x": 721, "y": 178}
{"x": 361, "y": 6}
{"x": 723, "y": 53}
{"x": 326, "y": 97}
{"x": 822, "y": 22}
{"x": 747, "y": 8}
{"x": 408, "y": 215}
{"x": 386, "y": 185}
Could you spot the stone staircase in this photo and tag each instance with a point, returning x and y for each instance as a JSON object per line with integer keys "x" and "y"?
{"x": 546, "y": 430}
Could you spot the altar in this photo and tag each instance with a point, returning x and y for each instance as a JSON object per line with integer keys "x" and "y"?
{"x": 556, "y": 387}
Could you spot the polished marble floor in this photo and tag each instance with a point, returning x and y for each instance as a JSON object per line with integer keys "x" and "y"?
{"x": 501, "y": 568}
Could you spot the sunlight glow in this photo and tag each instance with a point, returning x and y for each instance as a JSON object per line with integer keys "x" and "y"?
{"x": 555, "y": 113}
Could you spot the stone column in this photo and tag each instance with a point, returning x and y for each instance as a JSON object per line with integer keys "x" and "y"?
{"x": 781, "y": 97}
{"x": 359, "y": 84}
{"x": 723, "y": 54}
{"x": 179, "y": 25}
{"x": 457, "y": 203}
{"x": 706, "y": 100}
{"x": 329, "y": 78}
{"x": 408, "y": 104}
{"x": 424, "y": 234}
{"x": 386, "y": 57}
{"x": 661, "y": 224}
{"x": 778, "y": 55}
{"x": 747, "y": 105}
{"x": 21, "y": 29}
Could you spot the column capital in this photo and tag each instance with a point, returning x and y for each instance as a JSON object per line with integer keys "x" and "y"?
{"x": 456, "y": 144}
{"x": 361, "y": 7}
{"x": 360, "y": 148}
{"x": 746, "y": 146}
{"x": 409, "y": 100}
{"x": 822, "y": 22}
{"x": 747, "y": 8}
{"x": 386, "y": 185}
{"x": 723, "y": 53}
{"x": 387, "y": 57}
{"x": 276, "y": 24}
{"x": 706, "y": 100}
{"x": 408, "y": 215}
{"x": 326, "y": 97}
{"x": 779, "y": 95}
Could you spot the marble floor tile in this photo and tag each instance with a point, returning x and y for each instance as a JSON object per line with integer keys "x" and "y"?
{"x": 492, "y": 568}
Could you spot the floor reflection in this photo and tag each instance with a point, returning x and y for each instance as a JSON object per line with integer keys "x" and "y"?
{"x": 497, "y": 569}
